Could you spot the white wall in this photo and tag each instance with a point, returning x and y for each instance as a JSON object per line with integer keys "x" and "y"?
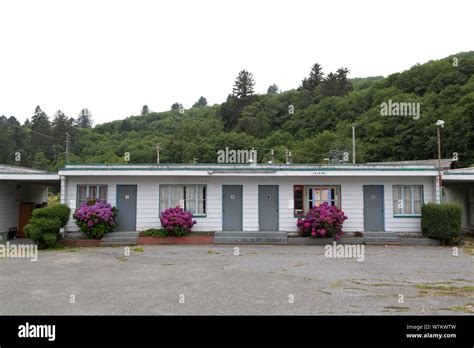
{"x": 11, "y": 195}
{"x": 351, "y": 198}
{"x": 459, "y": 193}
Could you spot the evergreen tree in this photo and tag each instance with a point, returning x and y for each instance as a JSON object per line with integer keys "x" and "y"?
{"x": 176, "y": 106}
{"x": 243, "y": 86}
{"x": 336, "y": 84}
{"x": 316, "y": 77}
{"x": 273, "y": 89}
{"x": 345, "y": 86}
{"x": 7, "y": 144}
{"x": 41, "y": 138}
{"x": 201, "y": 102}
{"x": 40, "y": 161}
{"x": 84, "y": 120}
{"x": 60, "y": 126}
{"x": 145, "y": 110}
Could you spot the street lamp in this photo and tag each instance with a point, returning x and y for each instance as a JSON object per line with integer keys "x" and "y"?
{"x": 439, "y": 125}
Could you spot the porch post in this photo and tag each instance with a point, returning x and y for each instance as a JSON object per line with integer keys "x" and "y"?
{"x": 437, "y": 191}
{"x": 62, "y": 198}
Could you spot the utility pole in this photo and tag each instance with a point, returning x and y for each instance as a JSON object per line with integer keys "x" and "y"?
{"x": 158, "y": 153}
{"x": 353, "y": 144}
{"x": 439, "y": 125}
{"x": 67, "y": 148}
{"x": 272, "y": 154}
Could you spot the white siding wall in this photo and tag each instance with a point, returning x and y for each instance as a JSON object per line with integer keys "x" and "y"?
{"x": 459, "y": 193}
{"x": 11, "y": 195}
{"x": 351, "y": 198}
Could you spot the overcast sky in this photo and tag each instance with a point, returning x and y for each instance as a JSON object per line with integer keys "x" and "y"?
{"x": 115, "y": 56}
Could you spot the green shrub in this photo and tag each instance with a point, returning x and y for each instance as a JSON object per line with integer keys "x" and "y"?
{"x": 44, "y": 231}
{"x": 59, "y": 211}
{"x": 442, "y": 221}
{"x": 153, "y": 232}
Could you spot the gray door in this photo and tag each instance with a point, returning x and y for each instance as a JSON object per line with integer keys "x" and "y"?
{"x": 232, "y": 207}
{"x": 268, "y": 207}
{"x": 373, "y": 208}
{"x": 127, "y": 207}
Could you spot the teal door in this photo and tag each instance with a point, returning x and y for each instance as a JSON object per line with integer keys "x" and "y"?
{"x": 232, "y": 207}
{"x": 373, "y": 208}
{"x": 127, "y": 207}
{"x": 268, "y": 207}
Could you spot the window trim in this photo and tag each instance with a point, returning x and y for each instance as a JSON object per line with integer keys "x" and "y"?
{"x": 97, "y": 187}
{"x": 204, "y": 199}
{"x": 305, "y": 187}
{"x": 412, "y": 200}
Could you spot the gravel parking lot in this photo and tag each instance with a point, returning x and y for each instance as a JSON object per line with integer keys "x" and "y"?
{"x": 262, "y": 280}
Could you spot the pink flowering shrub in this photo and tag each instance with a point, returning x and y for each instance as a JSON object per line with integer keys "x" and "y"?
{"x": 177, "y": 222}
{"x": 96, "y": 218}
{"x": 323, "y": 221}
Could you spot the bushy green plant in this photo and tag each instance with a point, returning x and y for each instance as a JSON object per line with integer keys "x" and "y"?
{"x": 59, "y": 211}
{"x": 442, "y": 221}
{"x": 154, "y": 232}
{"x": 44, "y": 231}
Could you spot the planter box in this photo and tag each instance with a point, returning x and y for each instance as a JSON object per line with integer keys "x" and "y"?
{"x": 176, "y": 240}
{"x": 82, "y": 242}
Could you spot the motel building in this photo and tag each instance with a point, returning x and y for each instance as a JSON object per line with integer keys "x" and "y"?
{"x": 241, "y": 200}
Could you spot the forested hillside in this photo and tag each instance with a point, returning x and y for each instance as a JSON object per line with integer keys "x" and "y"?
{"x": 310, "y": 120}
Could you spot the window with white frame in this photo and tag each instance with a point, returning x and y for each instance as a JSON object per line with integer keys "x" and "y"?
{"x": 407, "y": 200}
{"x": 309, "y": 196}
{"x": 191, "y": 198}
{"x": 86, "y": 192}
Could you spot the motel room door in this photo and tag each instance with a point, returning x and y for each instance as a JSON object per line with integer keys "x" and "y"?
{"x": 268, "y": 207}
{"x": 373, "y": 208}
{"x": 232, "y": 206}
{"x": 127, "y": 207}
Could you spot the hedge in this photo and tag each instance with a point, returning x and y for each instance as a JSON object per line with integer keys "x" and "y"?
{"x": 441, "y": 221}
{"x": 45, "y": 224}
{"x": 59, "y": 211}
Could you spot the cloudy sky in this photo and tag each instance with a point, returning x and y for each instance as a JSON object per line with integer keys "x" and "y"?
{"x": 115, "y": 56}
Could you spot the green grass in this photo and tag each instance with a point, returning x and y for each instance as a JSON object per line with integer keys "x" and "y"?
{"x": 213, "y": 252}
{"x": 138, "y": 249}
{"x": 468, "y": 308}
{"x": 468, "y": 245}
{"x": 447, "y": 290}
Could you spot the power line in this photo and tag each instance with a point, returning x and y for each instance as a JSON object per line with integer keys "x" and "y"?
{"x": 32, "y": 131}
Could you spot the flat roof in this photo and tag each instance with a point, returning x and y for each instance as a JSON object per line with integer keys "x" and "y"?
{"x": 459, "y": 175}
{"x": 9, "y": 169}
{"x": 31, "y": 177}
{"x": 207, "y": 169}
{"x": 204, "y": 166}
{"x": 24, "y": 174}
